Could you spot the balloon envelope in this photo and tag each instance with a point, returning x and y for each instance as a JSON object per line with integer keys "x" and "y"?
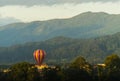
{"x": 39, "y": 56}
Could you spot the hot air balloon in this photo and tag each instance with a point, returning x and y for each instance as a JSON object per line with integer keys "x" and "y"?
{"x": 39, "y": 56}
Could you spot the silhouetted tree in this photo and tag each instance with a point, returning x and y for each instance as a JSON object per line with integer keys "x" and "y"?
{"x": 113, "y": 67}
{"x": 23, "y": 72}
{"x": 76, "y": 74}
{"x": 81, "y": 63}
{"x": 51, "y": 74}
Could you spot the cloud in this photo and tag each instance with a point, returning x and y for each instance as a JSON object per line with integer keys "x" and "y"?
{"x": 46, "y": 12}
{"x": 47, "y": 2}
{"x": 7, "y": 20}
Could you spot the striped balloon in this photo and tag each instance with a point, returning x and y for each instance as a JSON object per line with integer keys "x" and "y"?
{"x": 39, "y": 56}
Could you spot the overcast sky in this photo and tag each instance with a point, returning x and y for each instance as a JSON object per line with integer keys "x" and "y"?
{"x": 34, "y": 10}
{"x": 47, "y": 2}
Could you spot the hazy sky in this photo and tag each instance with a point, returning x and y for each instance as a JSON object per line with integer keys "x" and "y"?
{"x": 33, "y": 10}
{"x": 47, "y": 2}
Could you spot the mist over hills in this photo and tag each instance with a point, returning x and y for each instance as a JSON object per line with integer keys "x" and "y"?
{"x": 64, "y": 50}
{"x": 85, "y": 25}
{"x": 8, "y": 20}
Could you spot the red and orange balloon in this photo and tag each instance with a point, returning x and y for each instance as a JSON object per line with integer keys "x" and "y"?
{"x": 39, "y": 56}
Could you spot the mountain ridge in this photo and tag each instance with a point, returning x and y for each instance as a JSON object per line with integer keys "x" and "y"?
{"x": 85, "y": 25}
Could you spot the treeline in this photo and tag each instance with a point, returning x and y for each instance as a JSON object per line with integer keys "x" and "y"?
{"x": 78, "y": 70}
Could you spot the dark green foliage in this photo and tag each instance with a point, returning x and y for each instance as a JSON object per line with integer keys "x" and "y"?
{"x": 27, "y": 72}
{"x": 112, "y": 61}
{"x": 1, "y": 76}
{"x": 76, "y": 74}
{"x": 81, "y": 63}
{"x": 51, "y": 74}
{"x": 113, "y": 67}
{"x": 63, "y": 50}
{"x": 23, "y": 72}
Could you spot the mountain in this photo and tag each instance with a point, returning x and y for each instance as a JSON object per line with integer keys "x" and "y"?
{"x": 85, "y": 25}
{"x": 62, "y": 49}
{"x": 8, "y": 20}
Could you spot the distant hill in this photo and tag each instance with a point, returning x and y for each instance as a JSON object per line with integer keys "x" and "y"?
{"x": 8, "y": 20}
{"x": 62, "y": 49}
{"x": 85, "y": 25}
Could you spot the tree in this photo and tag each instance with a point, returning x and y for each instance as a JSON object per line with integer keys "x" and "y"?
{"x": 23, "y": 72}
{"x": 79, "y": 70}
{"x": 51, "y": 74}
{"x": 112, "y": 61}
{"x": 113, "y": 67}
{"x": 81, "y": 63}
{"x": 76, "y": 74}
{"x": 1, "y": 76}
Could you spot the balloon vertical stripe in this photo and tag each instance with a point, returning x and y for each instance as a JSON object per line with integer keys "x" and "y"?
{"x": 41, "y": 54}
{"x": 37, "y": 56}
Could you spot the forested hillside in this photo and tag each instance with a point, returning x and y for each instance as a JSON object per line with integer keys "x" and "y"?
{"x": 62, "y": 49}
